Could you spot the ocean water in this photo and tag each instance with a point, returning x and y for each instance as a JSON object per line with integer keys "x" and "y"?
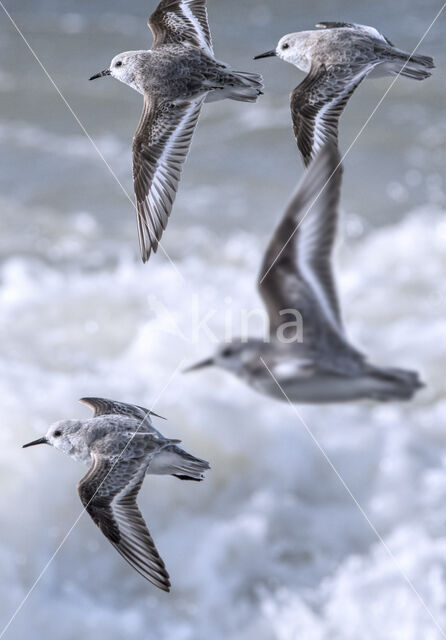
{"x": 271, "y": 546}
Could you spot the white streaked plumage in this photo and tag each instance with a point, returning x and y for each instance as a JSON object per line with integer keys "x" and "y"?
{"x": 175, "y": 77}
{"x": 297, "y": 276}
{"x": 108, "y": 493}
{"x": 297, "y": 269}
{"x": 337, "y": 59}
{"x": 121, "y": 445}
{"x": 184, "y": 21}
{"x": 157, "y": 168}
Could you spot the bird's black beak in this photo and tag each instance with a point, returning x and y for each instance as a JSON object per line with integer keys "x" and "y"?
{"x": 209, "y": 362}
{"x": 101, "y": 74}
{"x": 39, "y": 441}
{"x": 268, "y": 54}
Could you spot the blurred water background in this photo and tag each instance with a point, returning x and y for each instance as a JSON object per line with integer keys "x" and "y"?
{"x": 270, "y": 546}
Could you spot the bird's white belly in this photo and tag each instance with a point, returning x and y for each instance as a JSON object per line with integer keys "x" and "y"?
{"x": 320, "y": 389}
{"x": 163, "y": 463}
{"x": 382, "y": 70}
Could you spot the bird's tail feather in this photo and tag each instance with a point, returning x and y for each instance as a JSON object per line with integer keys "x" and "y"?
{"x": 414, "y": 73}
{"x": 400, "y": 384}
{"x": 424, "y": 61}
{"x": 416, "y": 66}
{"x": 187, "y": 467}
{"x": 250, "y": 87}
{"x": 240, "y": 85}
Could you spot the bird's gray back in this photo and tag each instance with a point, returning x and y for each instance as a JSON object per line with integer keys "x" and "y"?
{"x": 114, "y": 435}
{"x": 344, "y": 46}
{"x": 174, "y": 71}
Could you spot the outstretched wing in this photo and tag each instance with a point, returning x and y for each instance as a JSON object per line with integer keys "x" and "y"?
{"x": 318, "y": 102}
{"x": 160, "y": 147}
{"x": 103, "y": 406}
{"x": 109, "y": 496}
{"x": 181, "y": 21}
{"x": 297, "y": 268}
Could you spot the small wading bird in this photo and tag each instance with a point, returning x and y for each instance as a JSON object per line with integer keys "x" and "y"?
{"x": 297, "y": 275}
{"x": 337, "y": 59}
{"x": 175, "y": 77}
{"x": 122, "y": 447}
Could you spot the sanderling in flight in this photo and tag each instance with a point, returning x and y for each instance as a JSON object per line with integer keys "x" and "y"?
{"x": 321, "y": 365}
{"x": 175, "y": 77}
{"x": 121, "y": 445}
{"x": 336, "y": 60}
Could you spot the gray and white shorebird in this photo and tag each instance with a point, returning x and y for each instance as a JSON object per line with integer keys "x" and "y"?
{"x": 319, "y": 365}
{"x": 337, "y": 59}
{"x": 122, "y": 446}
{"x": 175, "y": 77}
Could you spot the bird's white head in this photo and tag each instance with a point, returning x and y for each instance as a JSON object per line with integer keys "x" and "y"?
{"x": 64, "y": 435}
{"x": 292, "y": 49}
{"x": 233, "y": 356}
{"x": 125, "y": 66}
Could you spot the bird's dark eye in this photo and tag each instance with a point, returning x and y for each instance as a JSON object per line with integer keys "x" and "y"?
{"x": 285, "y": 46}
{"x": 226, "y": 352}
{"x": 118, "y": 64}
{"x": 57, "y": 434}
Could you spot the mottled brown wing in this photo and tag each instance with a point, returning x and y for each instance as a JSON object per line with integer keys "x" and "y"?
{"x": 108, "y": 494}
{"x": 160, "y": 147}
{"x": 317, "y": 104}
{"x": 181, "y": 21}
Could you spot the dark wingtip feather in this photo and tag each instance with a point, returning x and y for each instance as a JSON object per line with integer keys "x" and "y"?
{"x": 188, "y": 478}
